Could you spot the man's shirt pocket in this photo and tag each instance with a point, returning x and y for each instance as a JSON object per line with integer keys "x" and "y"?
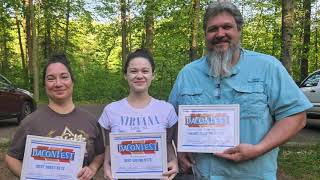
{"x": 192, "y": 96}
{"x": 252, "y": 100}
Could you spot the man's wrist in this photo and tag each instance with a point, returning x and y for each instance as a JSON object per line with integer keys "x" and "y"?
{"x": 259, "y": 149}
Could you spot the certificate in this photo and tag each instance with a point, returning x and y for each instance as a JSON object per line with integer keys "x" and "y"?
{"x": 208, "y": 128}
{"x": 138, "y": 155}
{"x": 50, "y": 158}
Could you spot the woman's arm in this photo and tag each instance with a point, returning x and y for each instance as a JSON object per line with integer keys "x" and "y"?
{"x": 14, "y": 165}
{"x": 96, "y": 163}
{"x": 171, "y": 138}
{"x": 88, "y": 172}
{"x": 107, "y": 164}
{"x": 171, "y": 154}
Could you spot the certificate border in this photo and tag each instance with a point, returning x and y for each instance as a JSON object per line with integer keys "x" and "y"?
{"x": 132, "y": 136}
{"x": 50, "y": 142}
{"x": 209, "y": 148}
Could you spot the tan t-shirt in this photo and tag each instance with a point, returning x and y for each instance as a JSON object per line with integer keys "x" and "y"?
{"x": 78, "y": 125}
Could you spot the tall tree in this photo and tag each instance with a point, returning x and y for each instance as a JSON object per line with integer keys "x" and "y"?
{"x": 18, "y": 19}
{"x": 123, "y": 9}
{"x": 47, "y": 8}
{"x": 18, "y": 22}
{"x": 149, "y": 24}
{"x": 274, "y": 33}
{"x": 4, "y": 37}
{"x": 66, "y": 32}
{"x": 195, "y": 29}
{"x": 33, "y": 58}
{"x": 27, "y": 7}
{"x": 287, "y": 33}
{"x": 316, "y": 39}
{"x": 306, "y": 39}
{"x": 316, "y": 48}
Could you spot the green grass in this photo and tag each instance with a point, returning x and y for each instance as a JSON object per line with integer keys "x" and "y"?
{"x": 4, "y": 146}
{"x": 300, "y": 162}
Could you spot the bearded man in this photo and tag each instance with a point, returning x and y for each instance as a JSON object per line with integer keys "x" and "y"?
{"x": 272, "y": 108}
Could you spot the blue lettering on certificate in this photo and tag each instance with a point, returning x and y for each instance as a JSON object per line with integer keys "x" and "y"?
{"x": 52, "y": 154}
{"x": 137, "y": 147}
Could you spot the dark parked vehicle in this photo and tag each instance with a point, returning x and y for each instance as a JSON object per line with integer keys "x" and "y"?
{"x": 14, "y": 102}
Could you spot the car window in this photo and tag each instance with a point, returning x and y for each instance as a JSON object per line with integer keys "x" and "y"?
{"x": 3, "y": 83}
{"x": 313, "y": 80}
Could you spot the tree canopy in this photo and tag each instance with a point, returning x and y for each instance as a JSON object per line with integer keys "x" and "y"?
{"x": 96, "y": 35}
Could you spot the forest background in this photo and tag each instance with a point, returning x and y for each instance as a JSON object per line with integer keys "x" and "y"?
{"x": 97, "y": 35}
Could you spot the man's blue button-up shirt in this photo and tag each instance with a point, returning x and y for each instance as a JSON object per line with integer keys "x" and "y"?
{"x": 265, "y": 92}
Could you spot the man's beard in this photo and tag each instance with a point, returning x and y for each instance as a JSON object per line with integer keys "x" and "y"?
{"x": 220, "y": 61}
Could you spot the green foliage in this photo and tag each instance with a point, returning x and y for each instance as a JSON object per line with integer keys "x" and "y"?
{"x": 4, "y": 146}
{"x": 94, "y": 40}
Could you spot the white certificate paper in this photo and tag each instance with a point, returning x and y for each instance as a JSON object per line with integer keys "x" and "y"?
{"x": 50, "y": 158}
{"x": 138, "y": 155}
{"x": 208, "y": 128}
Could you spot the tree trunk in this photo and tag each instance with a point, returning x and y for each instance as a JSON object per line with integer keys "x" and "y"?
{"x": 287, "y": 33}
{"x": 316, "y": 47}
{"x": 275, "y": 34}
{"x": 66, "y": 32}
{"x": 34, "y": 54}
{"x": 306, "y": 40}
{"x": 149, "y": 24}
{"x": 4, "y": 51}
{"x": 56, "y": 36}
{"x": 123, "y": 10}
{"x": 4, "y": 37}
{"x": 130, "y": 33}
{"x": 28, "y": 26}
{"x": 162, "y": 78}
{"x": 48, "y": 27}
{"x": 23, "y": 61}
{"x": 195, "y": 29}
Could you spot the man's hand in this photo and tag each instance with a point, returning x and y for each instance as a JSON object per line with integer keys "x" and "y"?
{"x": 185, "y": 160}
{"x": 280, "y": 133}
{"x": 172, "y": 169}
{"x": 86, "y": 173}
{"x": 241, "y": 152}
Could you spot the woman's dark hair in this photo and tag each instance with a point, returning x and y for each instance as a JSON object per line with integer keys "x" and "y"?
{"x": 58, "y": 58}
{"x": 139, "y": 53}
